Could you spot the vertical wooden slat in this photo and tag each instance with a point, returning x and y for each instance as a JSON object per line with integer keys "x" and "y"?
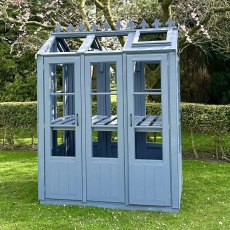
{"x": 48, "y": 114}
{"x": 125, "y": 121}
{"x": 80, "y": 101}
{"x": 41, "y": 130}
{"x": 175, "y": 134}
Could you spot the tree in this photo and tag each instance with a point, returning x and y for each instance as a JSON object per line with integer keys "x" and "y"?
{"x": 24, "y": 25}
{"x": 204, "y": 22}
{"x": 199, "y": 20}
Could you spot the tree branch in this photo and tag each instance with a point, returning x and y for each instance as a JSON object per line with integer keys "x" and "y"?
{"x": 204, "y": 21}
{"x": 166, "y": 8}
{"x": 99, "y": 5}
{"x": 81, "y": 6}
{"x": 34, "y": 23}
{"x": 108, "y": 14}
{"x": 221, "y": 9}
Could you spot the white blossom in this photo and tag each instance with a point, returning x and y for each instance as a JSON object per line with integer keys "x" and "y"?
{"x": 193, "y": 14}
{"x": 188, "y": 39}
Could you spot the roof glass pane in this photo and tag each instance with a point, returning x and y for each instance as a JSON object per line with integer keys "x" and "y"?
{"x": 144, "y": 37}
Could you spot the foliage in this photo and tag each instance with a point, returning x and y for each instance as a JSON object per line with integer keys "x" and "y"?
{"x": 206, "y": 118}
{"x": 200, "y": 20}
{"x": 7, "y": 67}
{"x": 18, "y": 115}
{"x": 204, "y": 22}
{"x": 18, "y": 76}
{"x": 136, "y": 10}
{"x": 211, "y": 120}
{"x": 219, "y": 88}
{"x": 25, "y": 25}
{"x": 21, "y": 89}
{"x": 202, "y": 118}
{"x": 205, "y": 201}
{"x": 194, "y": 75}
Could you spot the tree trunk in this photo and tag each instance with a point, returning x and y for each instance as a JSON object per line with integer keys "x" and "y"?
{"x": 193, "y": 144}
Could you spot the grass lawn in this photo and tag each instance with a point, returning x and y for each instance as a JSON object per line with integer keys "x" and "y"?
{"x": 205, "y": 201}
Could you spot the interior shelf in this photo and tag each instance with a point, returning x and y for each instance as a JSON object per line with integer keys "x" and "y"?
{"x": 109, "y": 123}
{"x": 148, "y": 123}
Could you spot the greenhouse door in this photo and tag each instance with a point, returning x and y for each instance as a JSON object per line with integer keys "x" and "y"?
{"x": 148, "y": 130}
{"x": 104, "y": 128}
{"x": 63, "y": 171}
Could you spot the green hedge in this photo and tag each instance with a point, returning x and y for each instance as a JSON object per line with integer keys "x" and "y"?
{"x": 206, "y": 118}
{"x": 199, "y": 117}
{"x": 18, "y": 115}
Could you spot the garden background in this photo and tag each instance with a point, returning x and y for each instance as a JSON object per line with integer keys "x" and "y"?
{"x": 204, "y": 62}
{"x": 204, "y": 47}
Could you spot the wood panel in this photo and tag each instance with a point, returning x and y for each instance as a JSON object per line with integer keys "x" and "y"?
{"x": 149, "y": 185}
{"x": 63, "y": 180}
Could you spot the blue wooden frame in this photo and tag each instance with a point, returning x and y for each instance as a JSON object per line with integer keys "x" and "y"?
{"x": 161, "y": 177}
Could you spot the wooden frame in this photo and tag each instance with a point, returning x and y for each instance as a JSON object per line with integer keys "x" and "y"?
{"x": 76, "y": 179}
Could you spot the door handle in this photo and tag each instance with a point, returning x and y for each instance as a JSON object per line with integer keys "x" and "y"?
{"x": 77, "y": 119}
{"x": 131, "y": 119}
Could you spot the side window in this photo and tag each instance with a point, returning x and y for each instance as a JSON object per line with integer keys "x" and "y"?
{"x": 63, "y": 143}
{"x": 147, "y": 110}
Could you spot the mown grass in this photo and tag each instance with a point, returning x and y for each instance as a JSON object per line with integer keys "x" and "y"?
{"x": 205, "y": 144}
{"x": 205, "y": 201}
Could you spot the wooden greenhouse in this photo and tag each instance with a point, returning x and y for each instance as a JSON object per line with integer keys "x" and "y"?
{"x": 109, "y": 117}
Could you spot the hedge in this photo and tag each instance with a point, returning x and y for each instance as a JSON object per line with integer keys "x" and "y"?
{"x": 18, "y": 114}
{"x": 199, "y": 117}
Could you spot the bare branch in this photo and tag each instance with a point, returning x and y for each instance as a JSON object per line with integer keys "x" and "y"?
{"x": 166, "y": 8}
{"x": 221, "y": 9}
{"x": 34, "y": 23}
{"x": 165, "y": 3}
{"x": 108, "y": 14}
{"x": 99, "y": 4}
{"x": 81, "y": 5}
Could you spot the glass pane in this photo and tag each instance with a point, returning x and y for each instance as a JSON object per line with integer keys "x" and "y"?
{"x": 114, "y": 137}
{"x": 147, "y": 77}
{"x": 144, "y": 37}
{"x": 105, "y": 105}
{"x": 148, "y": 146}
{"x": 147, "y": 105}
{"x": 111, "y": 43}
{"x": 104, "y": 93}
{"x": 147, "y": 111}
{"x": 62, "y": 78}
{"x": 104, "y": 144}
{"x": 103, "y": 78}
{"x": 62, "y": 106}
{"x": 63, "y": 143}
{"x": 72, "y": 43}
{"x": 152, "y": 77}
{"x": 104, "y": 109}
{"x": 154, "y": 137}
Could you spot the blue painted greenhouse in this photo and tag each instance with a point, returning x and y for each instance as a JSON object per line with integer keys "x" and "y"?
{"x": 109, "y": 123}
